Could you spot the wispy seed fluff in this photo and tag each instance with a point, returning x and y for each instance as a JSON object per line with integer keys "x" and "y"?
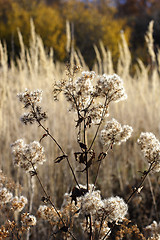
{"x": 152, "y": 231}
{"x": 112, "y": 87}
{"x": 84, "y": 88}
{"x": 27, "y": 97}
{"x": 48, "y": 213}
{"x": 5, "y": 196}
{"x": 97, "y": 111}
{"x": 27, "y": 155}
{"x": 115, "y": 133}
{"x": 84, "y": 82}
{"x": 115, "y": 208}
{"x": 91, "y": 203}
{"x": 28, "y": 220}
{"x": 18, "y": 203}
{"x": 150, "y": 147}
{"x": 83, "y": 92}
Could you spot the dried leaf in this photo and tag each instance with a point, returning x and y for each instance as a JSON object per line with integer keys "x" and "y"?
{"x": 89, "y": 163}
{"x": 60, "y": 158}
{"x": 79, "y": 121}
{"x": 44, "y": 135}
{"x": 80, "y": 157}
{"x": 89, "y": 121}
{"x": 64, "y": 229}
{"x": 77, "y": 192}
{"x": 101, "y": 156}
{"x": 82, "y": 145}
{"x": 33, "y": 173}
{"x": 45, "y": 199}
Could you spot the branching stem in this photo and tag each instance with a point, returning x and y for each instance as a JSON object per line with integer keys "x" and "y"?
{"x": 50, "y": 135}
{"x": 102, "y": 117}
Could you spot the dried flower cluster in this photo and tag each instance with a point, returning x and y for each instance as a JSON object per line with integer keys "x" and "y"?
{"x": 6, "y": 229}
{"x": 28, "y": 220}
{"x": 91, "y": 94}
{"x": 48, "y": 213}
{"x": 28, "y": 98}
{"x": 27, "y": 156}
{"x": 84, "y": 89}
{"x": 11, "y": 206}
{"x": 96, "y": 113}
{"x": 15, "y": 203}
{"x": 150, "y": 147}
{"x": 30, "y": 101}
{"x": 115, "y": 133}
{"x": 111, "y": 86}
{"x": 5, "y": 195}
{"x": 152, "y": 231}
{"x": 18, "y": 203}
{"x": 115, "y": 208}
{"x": 89, "y": 204}
{"x": 68, "y": 208}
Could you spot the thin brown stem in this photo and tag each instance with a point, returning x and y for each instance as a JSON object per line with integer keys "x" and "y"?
{"x": 142, "y": 181}
{"x": 103, "y": 114}
{"x": 154, "y": 199}
{"x": 50, "y": 135}
{"x": 50, "y": 201}
{"x": 100, "y": 165}
{"x": 46, "y": 194}
{"x": 72, "y": 235}
{"x": 106, "y": 234}
{"x": 86, "y": 155}
{"x": 145, "y": 174}
{"x": 102, "y": 221}
{"x": 90, "y": 227}
{"x": 72, "y": 172}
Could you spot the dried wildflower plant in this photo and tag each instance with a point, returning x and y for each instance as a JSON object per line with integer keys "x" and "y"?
{"x": 150, "y": 147}
{"x": 84, "y": 214}
{"x": 27, "y": 156}
{"x": 31, "y": 102}
{"x": 152, "y": 231}
{"x": 10, "y": 207}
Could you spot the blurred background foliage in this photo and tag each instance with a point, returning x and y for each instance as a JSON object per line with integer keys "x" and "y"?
{"x": 91, "y": 22}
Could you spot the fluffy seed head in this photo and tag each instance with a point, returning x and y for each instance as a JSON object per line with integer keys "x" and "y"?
{"x": 5, "y": 196}
{"x": 28, "y": 98}
{"x": 115, "y": 133}
{"x": 27, "y": 155}
{"x": 18, "y": 203}
{"x": 91, "y": 203}
{"x": 28, "y": 220}
{"x": 115, "y": 208}
{"x": 112, "y": 87}
{"x": 150, "y": 147}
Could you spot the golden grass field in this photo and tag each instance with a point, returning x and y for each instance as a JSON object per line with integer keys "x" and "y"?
{"x": 35, "y": 69}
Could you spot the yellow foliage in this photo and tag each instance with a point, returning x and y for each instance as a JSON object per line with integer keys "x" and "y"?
{"x": 50, "y": 25}
{"x": 92, "y": 24}
{"x": 48, "y": 22}
{"x": 12, "y": 17}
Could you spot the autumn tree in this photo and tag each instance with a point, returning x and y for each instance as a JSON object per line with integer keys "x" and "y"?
{"x": 12, "y": 16}
{"x": 15, "y": 14}
{"x": 138, "y": 14}
{"x": 92, "y": 24}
